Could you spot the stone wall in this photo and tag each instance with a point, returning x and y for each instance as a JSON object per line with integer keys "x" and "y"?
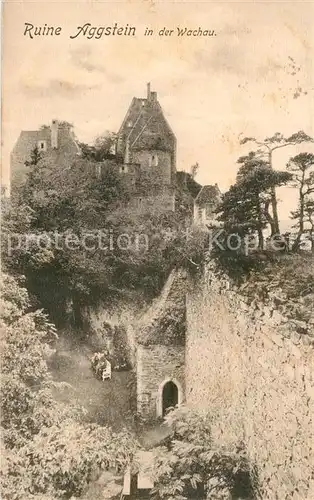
{"x": 155, "y": 365}
{"x": 152, "y": 201}
{"x": 254, "y": 373}
{"x": 152, "y": 173}
{"x": 123, "y": 315}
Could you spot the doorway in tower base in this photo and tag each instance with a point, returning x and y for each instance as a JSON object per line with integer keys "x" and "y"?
{"x": 169, "y": 396}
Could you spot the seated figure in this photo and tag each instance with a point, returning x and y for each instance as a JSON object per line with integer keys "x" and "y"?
{"x": 106, "y": 371}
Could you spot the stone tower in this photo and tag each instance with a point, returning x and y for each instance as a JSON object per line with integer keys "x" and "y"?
{"x": 160, "y": 356}
{"x": 146, "y": 148}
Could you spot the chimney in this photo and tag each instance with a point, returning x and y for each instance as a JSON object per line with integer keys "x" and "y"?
{"x": 54, "y": 134}
{"x": 148, "y": 92}
{"x": 153, "y": 96}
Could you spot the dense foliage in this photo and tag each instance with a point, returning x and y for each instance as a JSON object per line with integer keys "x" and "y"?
{"x": 80, "y": 244}
{"x": 248, "y": 210}
{"x": 191, "y": 466}
{"x": 50, "y": 451}
{"x": 102, "y": 148}
{"x": 245, "y": 207}
{"x": 265, "y": 151}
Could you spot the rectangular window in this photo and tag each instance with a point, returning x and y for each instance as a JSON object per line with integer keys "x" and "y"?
{"x": 155, "y": 160}
{"x": 42, "y": 146}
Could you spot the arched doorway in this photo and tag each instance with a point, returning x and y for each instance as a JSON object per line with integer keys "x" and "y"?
{"x": 170, "y": 396}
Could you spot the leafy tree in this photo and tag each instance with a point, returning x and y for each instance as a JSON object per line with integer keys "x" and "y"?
{"x": 302, "y": 169}
{"x": 102, "y": 149}
{"x": 258, "y": 182}
{"x": 243, "y": 213}
{"x": 27, "y": 343}
{"x": 265, "y": 151}
{"x": 62, "y": 204}
{"x": 244, "y": 208}
{"x": 34, "y": 158}
{"x": 50, "y": 451}
{"x": 102, "y": 250}
{"x": 191, "y": 466}
{"x": 63, "y": 198}
{"x": 187, "y": 188}
{"x": 62, "y": 460}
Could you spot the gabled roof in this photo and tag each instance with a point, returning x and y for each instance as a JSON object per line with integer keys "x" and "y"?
{"x": 28, "y": 138}
{"x": 208, "y": 194}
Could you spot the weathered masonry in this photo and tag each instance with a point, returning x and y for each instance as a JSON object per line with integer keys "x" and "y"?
{"x": 247, "y": 365}
{"x": 160, "y": 353}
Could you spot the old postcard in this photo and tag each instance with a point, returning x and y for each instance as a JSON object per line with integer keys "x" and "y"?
{"x": 157, "y": 285}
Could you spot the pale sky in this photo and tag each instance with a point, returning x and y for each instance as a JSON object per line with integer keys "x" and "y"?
{"x": 245, "y": 80}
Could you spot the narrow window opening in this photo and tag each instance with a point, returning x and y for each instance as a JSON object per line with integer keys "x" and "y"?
{"x": 98, "y": 171}
{"x": 42, "y": 145}
{"x": 155, "y": 160}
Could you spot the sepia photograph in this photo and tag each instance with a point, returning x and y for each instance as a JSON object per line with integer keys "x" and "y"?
{"x": 157, "y": 250}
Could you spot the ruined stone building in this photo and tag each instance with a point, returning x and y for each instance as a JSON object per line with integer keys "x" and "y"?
{"x": 55, "y": 142}
{"x": 144, "y": 154}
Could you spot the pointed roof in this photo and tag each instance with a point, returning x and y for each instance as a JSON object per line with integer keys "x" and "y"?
{"x": 144, "y": 122}
{"x": 207, "y": 194}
